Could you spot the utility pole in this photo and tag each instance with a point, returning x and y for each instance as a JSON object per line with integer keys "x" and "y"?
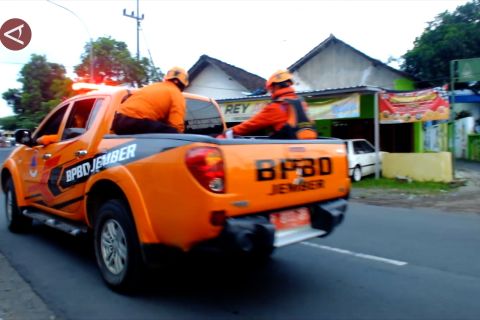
{"x": 139, "y": 18}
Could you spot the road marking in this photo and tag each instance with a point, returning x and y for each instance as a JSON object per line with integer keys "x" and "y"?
{"x": 356, "y": 254}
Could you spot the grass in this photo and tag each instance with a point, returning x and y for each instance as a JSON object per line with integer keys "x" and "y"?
{"x": 416, "y": 187}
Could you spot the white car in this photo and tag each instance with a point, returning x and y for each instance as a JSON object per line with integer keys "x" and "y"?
{"x": 361, "y": 158}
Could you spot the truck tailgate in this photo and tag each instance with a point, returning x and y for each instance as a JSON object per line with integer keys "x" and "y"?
{"x": 268, "y": 175}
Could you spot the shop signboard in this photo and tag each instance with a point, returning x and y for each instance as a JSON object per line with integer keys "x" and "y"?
{"x": 413, "y": 106}
{"x": 241, "y": 110}
{"x": 335, "y": 108}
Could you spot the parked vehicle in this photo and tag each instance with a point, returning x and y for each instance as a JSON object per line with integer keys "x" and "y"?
{"x": 6, "y": 138}
{"x": 361, "y": 158}
{"x": 147, "y": 197}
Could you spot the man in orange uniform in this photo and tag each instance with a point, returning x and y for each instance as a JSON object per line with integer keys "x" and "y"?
{"x": 156, "y": 108}
{"x": 285, "y": 115}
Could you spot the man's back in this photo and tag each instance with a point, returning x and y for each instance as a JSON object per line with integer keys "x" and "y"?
{"x": 150, "y": 102}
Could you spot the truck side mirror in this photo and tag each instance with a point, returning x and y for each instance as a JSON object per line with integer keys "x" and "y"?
{"x": 24, "y": 136}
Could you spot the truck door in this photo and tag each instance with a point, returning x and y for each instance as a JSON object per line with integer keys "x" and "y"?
{"x": 64, "y": 164}
{"x": 35, "y": 162}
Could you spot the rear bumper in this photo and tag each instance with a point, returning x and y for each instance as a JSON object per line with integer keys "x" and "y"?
{"x": 256, "y": 234}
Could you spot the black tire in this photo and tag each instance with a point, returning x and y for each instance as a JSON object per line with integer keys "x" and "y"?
{"x": 265, "y": 248}
{"x": 16, "y": 221}
{"x": 357, "y": 174}
{"x": 262, "y": 254}
{"x": 117, "y": 248}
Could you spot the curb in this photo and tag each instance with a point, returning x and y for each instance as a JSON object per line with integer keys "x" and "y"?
{"x": 17, "y": 298}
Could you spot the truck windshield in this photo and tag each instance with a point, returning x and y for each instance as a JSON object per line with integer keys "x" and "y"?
{"x": 202, "y": 117}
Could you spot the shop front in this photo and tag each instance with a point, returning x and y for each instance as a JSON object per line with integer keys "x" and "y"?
{"x": 341, "y": 113}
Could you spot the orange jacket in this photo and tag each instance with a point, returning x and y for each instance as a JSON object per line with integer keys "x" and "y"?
{"x": 273, "y": 115}
{"x": 161, "y": 101}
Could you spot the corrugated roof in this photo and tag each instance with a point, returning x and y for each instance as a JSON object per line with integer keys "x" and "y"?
{"x": 249, "y": 80}
{"x": 314, "y": 93}
{"x": 331, "y": 40}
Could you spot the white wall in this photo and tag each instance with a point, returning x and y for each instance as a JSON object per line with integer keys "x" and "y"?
{"x": 463, "y": 127}
{"x": 214, "y": 83}
{"x": 337, "y": 66}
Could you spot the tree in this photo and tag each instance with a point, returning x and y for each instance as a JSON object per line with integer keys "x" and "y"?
{"x": 449, "y": 37}
{"x": 113, "y": 63}
{"x": 44, "y": 85}
{"x": 14, "y": 99}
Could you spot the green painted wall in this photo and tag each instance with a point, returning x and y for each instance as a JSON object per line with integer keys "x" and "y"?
{"x": 474, "y": 147}
{"x": 366, "y": 106}
{"x": 403, "y": 84}
{"x": 418, "y": 137}
{"x": 324, "y": 128}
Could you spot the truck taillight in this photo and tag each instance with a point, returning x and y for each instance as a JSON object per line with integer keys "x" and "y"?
{"x": 206, "y": 165}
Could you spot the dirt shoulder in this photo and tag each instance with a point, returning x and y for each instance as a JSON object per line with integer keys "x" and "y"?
{"x": 465, "y": 198}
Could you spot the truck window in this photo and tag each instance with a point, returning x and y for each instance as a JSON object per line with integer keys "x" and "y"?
{"x": 81, "y": 117}
{"x": 202, "y": 117}
{"x": 52, "y": 125}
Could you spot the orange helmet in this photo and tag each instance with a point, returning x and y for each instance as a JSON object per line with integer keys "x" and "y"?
{"x": 177, "y": 73}
{"x": 277, "y": 77}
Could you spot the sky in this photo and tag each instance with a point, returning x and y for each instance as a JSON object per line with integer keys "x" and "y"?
{"x": 259, "y": 36}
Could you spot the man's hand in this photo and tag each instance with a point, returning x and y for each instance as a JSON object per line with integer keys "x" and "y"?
{"x": 228, "y": 134}
{"x": 47, "y": 139}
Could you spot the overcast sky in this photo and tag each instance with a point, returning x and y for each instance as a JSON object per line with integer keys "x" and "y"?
{"x": 257, "y": 36}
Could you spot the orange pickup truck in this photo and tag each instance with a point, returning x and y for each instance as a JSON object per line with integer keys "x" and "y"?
{"x": 147, "y": 196}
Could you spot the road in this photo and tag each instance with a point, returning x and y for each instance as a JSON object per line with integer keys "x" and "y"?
{"x": 382, "y": 263}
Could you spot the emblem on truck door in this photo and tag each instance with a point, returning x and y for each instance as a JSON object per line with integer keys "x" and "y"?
{"x": 33, "y": 164}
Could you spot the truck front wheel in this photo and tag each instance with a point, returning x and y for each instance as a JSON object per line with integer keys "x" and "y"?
{"x": 117, "y": 249}
{"x": 16, "y": 221}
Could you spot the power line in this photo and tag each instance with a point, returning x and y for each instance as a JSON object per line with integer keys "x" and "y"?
{"x": 92, "y": 76}
{"x": 150, "y": 54}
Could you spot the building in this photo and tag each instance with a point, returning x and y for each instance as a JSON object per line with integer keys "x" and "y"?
{"x": 338, "y": 81}
{"x": 334, "y": 64}
{"x": 214, "y": 78}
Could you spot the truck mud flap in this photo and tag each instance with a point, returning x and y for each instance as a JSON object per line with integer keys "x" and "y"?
{"x": 248, "y": 234}
{"x": 327, "y": 215}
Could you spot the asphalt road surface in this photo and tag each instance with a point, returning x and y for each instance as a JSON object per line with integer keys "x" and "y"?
{"x": 382, "y": 263}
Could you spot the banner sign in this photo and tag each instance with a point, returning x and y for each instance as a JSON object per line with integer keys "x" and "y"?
{"x": 241, "y": 111}
{"x": 348, "y": 107}
{"x": 338, "y": 108}
{"x": 422, "y": 105}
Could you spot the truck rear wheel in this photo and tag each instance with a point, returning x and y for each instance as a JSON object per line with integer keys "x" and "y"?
{"x": 16, "y": 222}
{"x": 117, "y": 248}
